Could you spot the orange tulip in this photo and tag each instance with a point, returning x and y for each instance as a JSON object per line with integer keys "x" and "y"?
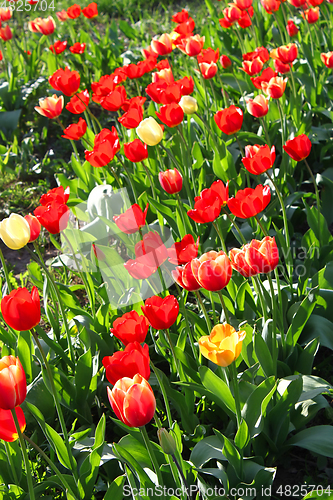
{"x": 223, "y": 345}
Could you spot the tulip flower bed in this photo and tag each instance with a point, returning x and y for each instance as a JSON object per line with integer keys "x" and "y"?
{"x": 178, "y": 345}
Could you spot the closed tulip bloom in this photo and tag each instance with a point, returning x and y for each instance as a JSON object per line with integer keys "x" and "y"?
{"x": 54, "y": 217}
{"x": 252, "y": 67}
{"x": 58, "y": 47}
{"x": 292, "y": 28}
{"x": 311, "y": 15}
{"x": 208, "y": 55}
{"x": 265, "y": 76}
{"x": 249, "y": 202}
{"x": 134, "y": 359}
{"x": 171, "y": 114}
{"x": 258, "y": 159}
{"x": 90, "y": 11}
{"x": 192, "y": 46}
{"x": 45, "y": 26}
{"x": 212, "y": 270}
{"x": 132, "y": 118}
{"x": 207, "y": 207}
{"x": 162, "y": 45}
{"x": 171, "y": 181}
{"x": 229, "y": 120}
{"x": 286, "y": 53}
{"x": 186, "y": 85}
{"x": 165, "y": 75}
{"x": 188, "y": 104}
{"x": 225, "y": 23}
{"x": 180, "y": 17}
{"x": 327, "y": 59}
{"x": 34, "y": 226}
{"x": 245, "y": 21}
{"x": 15, "y": 231}
{"x": 136, "y": 151}
{"x": 297, "y": 3}
{"x": 223, "y": 345}
{"x": 243, "y": 4}
{"x": 51, "y": 107}
{"x": 259, "y": 53}
{"x": 21, "y": 309}
{"x": 183, "y": 251}
{"x": 5, "y": 14}
{"x": 8, "y": 430}
{"x": 106, "y": 146}
{"x": 281, "y": 67}
{"x": 58, "y": 195}
{"x": 153, "y": 247}
{"x": 133, "y": 401}
{"x": 238, "y": 261}
{"x": 141, "y": 268}
{"x": 258, "y": 106}
{"x": 208, "y": 70}
{"x": 13, "y": 384}
{"x": 232, "y": 13}
{"x": 6, "y": 33}
{"x": 75, "y": 131}
{"x": 62, "y": 15}
{"x": 114, "y": 100}
{"x": 275, "y": 87}
{"x": 225, "y": 61}
{"x": 74, "y": 11}
{"x": 298, "y": 148}
{"x": 185, "y": 278}
{"x": 130, "y": 327}
{"x": 78, "y": 48}
{"x": 150, "y": 132}
{"x": 161, "y": 313}
{"x": 270, "y": 6}
{"x": 262, "y": 256}
{"x": 184, "y": 29}
{"x": 65, "y": 80}
{"x": 78, "y": 103}
{"x": 132, "y": 219}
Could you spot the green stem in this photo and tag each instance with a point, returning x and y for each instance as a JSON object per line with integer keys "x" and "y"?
{"x": 181, "y": 213}
{"x": 257, "y": 286}
{"x": 51, "y": 464}
{"x": 57, "y": 404}
{"x": 181, "y": 475}
{"x": 316, "y": 191}
{"x": 202, "y": 305}
{"x": 129, "y": 178}
{"x": 274, "y": 347}
{"x": 279, "y": 28}
{"x": 172, "y": 351}
{"x": 220, "y": 236}
{"x": 226, "y": 313}
{"x": 25, "y": 456}
{"x": 5, "y": 270}
{"x": 151, "y": 454}
{"x": 235, "y": 226}
{"x": 264, "y": 126}
{"x": 189, "y": 331}
{"x": 164, "y": 394}
{"x": 234, "y": 381}
{"x": 150, "y": 180}
{"x": 213, "y": 307}
{"x": 11, "y": 463}
{"x": 55, "y": 288}
{"x": 188, "y": 157}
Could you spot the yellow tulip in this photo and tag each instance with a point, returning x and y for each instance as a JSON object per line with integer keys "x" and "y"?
{"x": 150, "y": 131}
{"x": 223, "y": 345}
{"x": 188, "y": 104}
{"x": 15, "y": 231}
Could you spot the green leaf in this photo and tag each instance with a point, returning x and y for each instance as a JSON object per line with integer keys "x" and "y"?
{"x": 318, "y": 439}
{"x": 206, "y": 449}
{"x": 215, "y": 385}
{"x": 83, "y": 374}
{"x": 301, "y": 317}
{"x": 242, "y": 436}
{"x": 232, "y": 455}
{"x": 116, "y": 489}
{"x": 263, "y": 354}
{"x": 127, "y": 30}
{"x": 318, "y": 224}
{"x": 59, "y": 446}
{"x": 255, "y": 407}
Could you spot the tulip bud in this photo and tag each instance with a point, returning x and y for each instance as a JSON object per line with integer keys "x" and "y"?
{"x": 150, "y": 132}
{"x": 188, "y": 104}
{"x": 167, "y": 442}
{"x": 35, "y": 227}
{"x": 15, "y": 232}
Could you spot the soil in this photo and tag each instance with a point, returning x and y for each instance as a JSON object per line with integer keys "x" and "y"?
{"x": 17, "y": 260}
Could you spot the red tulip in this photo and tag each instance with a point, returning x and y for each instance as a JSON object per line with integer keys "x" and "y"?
{"x": 275, "y": 87}
{"x": 292, "y": 28}
{"x": 161, "y": 313}
{"x": 54, "y": 217}
{"x": 259, "y": 53}
{"x": 327, "y": 59}
{"x": 243, "y": 4}
{"x": 171, "y": 181}
{"x": 186, "y": 85}
{"x": 265, "y": 76}
{"x": 58, "y": 47}
{"x": 281, "y": 67}
{"x": 62, "y": 15}
{"x": 239, "y": 262}
{"x": 258, "y": 159}
{"x": 58, "y": 195}
{"x": 133, "y": 401}
{"x": 136, "y": 151}
{"x": 75, "y": 131}
{"x": 132, "y": 219}
{"x": 232, "y": 13}
{"x": 141, "y": 268}
{"x": 8, "y": 430}
{"x": 212, "y": 270}
{"x": 171, "y": 114}
{"x": 221, "y": 191}
{"x": 78, "y": 48}
{"x": 262, "y": 256}
{"x": 132, "y": 118}
{"x": 134, "y": 359}
{"x": 207, "y": 207}
{"x": 245, "y": 20}
{"x": 225, "y": 61}
{"x": 185, "y": 278}
{"x": 6, "y": 33}
{"x": 130, "y": 327}
{"x": 21, "y": 309}
{"x": 34, "y": 225}
{"x": 114, "y": 100}
{"x": 90, "y": 11}
{"x": 13, "y": 383}
{"x": 208, "y": 56}
{"x": 258, "y": 106}
{"x": 5, "y": 14}
{"x": 78, "y": 103}
{"x": 74, "y": 11}
{"x": 68, "y": 82}
{"x": 184, "y": 29}
{"x": 249, "y": 202}
{"x": 183, "y": 251}
{"x": 271, "y": 6}
{"x": 153, "y": 248}
{"x": 180, "y": 17}
{"x": 208, "y": 70}
{"x": 163, "y": 45}
{"x": 229, "y": 120}
{"x": 252, "y": 67}
{"x": 192, "y": 45}
{"x": 106, "y": 146}
{"x": 298, "y": 148}
{"x": 286, "y": 53}
{"x": 45, "y": 26}
{"x": 311, "y": 15}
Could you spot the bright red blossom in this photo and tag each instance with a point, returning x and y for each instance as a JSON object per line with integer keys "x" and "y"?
{"x": 74, "y": 11}
{"x": 171, "y": 114}
{"x": 58, "y": 47}
{"x": 258, "y": 159}
{"x": 78, "y": 103}
{"x": 68, "y": 82}
{"x": 132, "y": 219}
{"x": 171, "y": 181}
{"x": 90, "y": 11}
{"x": 136, "y": 151}
{"x": 8, "y": 430}
{"x": 35, "y": 227}
{"x": 229, "y": 120}
{"x": 106, "y": 146}
{"x": 183, "y": 251}
{"x": 134, "y": 359}
{"x": 250, "y": 202}
{"x": 78, "y": 48}
{"x": 13, "y": 384}
{"x": 75, "y": 131}
{"x": 298, "y": 148}
{"x": 130, "y": 327}
{"x": 21, "y": 309}
{"x": 255, "y": 257}
{"x": 212, "y": 270}
{"x": 54, "y": 217}
{"x": 161, "y": 313}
